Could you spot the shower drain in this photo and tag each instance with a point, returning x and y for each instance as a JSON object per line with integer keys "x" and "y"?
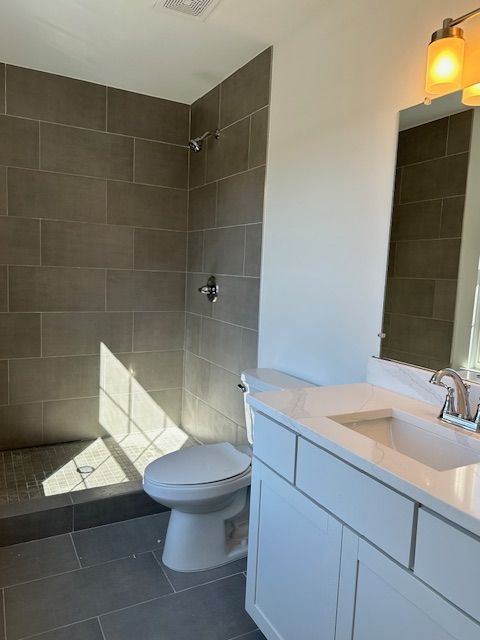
{"x": 85, "y": 469}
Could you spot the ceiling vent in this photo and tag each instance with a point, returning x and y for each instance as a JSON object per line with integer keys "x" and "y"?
{"x": 195, "y": 8}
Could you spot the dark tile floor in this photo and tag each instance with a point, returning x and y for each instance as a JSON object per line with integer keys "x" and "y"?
{"x": 108, "y": 583}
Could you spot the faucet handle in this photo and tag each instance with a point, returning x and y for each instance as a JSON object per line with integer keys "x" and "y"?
{"x": 449, "y": 407}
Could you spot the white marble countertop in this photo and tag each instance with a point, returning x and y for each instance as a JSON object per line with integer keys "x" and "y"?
{"x": 454, "y": 493}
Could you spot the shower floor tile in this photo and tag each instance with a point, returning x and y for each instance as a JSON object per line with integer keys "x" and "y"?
{"x": 53, "y": 469}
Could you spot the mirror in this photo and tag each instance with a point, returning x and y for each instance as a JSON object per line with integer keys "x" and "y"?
{"x": 431, "y": 312}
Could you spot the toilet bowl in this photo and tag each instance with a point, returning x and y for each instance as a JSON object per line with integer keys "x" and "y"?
{"x": 207, "y": 489}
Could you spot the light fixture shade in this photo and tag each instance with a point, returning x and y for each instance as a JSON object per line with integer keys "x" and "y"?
{"x": 445, "y": 65}
{"x": 471, "y": 74}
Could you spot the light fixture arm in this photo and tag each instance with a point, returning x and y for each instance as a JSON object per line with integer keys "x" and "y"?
{"x": 449, "y": 22}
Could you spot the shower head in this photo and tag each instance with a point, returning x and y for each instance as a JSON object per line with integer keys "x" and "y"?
{"x": 196, "y": 144}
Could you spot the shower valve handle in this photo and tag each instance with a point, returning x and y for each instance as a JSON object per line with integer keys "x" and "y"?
{"x": 210, "y": 289}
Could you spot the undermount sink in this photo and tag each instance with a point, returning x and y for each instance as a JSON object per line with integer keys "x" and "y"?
{"x": 432, "y": 444}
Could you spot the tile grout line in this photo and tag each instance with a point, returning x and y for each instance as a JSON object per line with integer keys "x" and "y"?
{"x": 72, "y": 541}
{"x": 164, "y": 572}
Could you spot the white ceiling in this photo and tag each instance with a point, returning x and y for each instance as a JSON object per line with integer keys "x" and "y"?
{"x": 135, "y": 45}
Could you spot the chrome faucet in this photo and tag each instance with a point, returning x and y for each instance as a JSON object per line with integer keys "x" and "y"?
{"x": 456, "y": 409}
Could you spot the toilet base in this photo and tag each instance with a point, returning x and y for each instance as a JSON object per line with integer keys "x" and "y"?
{"x": 199, "y": 541}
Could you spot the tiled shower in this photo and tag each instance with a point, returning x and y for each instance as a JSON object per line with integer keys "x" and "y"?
{"x": 109, "y": 356}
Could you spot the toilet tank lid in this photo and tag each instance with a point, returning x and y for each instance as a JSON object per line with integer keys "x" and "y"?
{"x": 271, "y": 380}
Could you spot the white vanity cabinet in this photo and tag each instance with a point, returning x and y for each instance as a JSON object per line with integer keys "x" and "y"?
{"x": 293, "y": 561}
{"x": 332, "y": 553}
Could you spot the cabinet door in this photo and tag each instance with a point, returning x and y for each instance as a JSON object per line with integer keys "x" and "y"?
{"x": 391, "y": 603}
{"x": 293, "y": 561}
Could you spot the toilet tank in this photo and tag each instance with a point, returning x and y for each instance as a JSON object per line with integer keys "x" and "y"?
{"x": 259, "y": 380}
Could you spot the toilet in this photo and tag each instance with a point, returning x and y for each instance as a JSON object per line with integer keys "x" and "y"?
{"x": 207, "y": 490}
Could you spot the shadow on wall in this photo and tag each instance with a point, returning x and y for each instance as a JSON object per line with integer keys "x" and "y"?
{"x": 137, "y": 431}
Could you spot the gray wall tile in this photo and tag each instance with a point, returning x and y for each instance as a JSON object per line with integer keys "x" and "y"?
{"x": 161, "y": 164}
{"x": 156, "y": 370}
{"x": 424, "y": 142}
{"x": 44, "y": 96}
{"x": 246, "y": 90}
{"x": 410, "y": 296}
{"x": 202, "y": 207}
{"x": 3, "y": 191}
{"x": 88, "y": 153}
{"x": 21, "y": 425}
{"x": 212, "y": 426}
{"x": 417, "y": 220}
{"x": 56, "y": 289}
{"x": 239, "y": 301}
{"x": 33, "y": 379}
{"x": 205, "y": 113}
{"x": 19, "y": 335}
{"x": 18, "y": 142}
{"x": 197, "y": 169}
{"x": 195, "y": 251}
{"x": 2, "y": 88}
{"x": 427, "y": 259}
{"x": 424, "y": 336}
{"x": 249, "y": 352}
{"x": 83, "y": 333}
{"x": 19, "y": 241}
{"x": 76, "y": 244}
{"x": 3, "y": 288}
{"x": 39, "y": 194}
{"x": 196, "y": 302}
{"x": 445, "y": 299}
{"x": 442, "y": 177}
{"x": 143, "y": 116}
{"x": 240, "y": 198}
{"x": 228, "y": 154}
{"x": 158, "y": 331}
{"x": 3, "y": 382}
{"x": 189, "y": 412}
{"x": 257, "y": 154}
{"x": 146, "y": 206}
{"x": 253, "y": 250}
{"x": 89, "y": 630}
{"x": 145, "y": 291}
{"x": 452, "y": 217}
{"x": 221, "y": 343}
{"x": 192, "y": 335}
{"x": 459, "y": 132}
{"x": 70, "y": 420}
{"x": 170, "y": 401}
{"x": 224, "y": 250}
{"x": 164, "y": 250}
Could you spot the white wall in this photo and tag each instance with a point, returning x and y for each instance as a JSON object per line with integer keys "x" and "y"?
{"x": 338, "y": 84}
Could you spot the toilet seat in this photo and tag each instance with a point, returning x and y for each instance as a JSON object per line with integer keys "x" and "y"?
{"x": 200, "y": 465}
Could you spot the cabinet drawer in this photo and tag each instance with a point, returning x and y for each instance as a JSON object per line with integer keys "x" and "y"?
{"x": 274, "y": 445}
{"x": 372, "y": 509}
{"x": 448, "y": 559}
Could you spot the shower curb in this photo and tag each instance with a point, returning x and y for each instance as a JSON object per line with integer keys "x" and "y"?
{"x": 64, "y": 513}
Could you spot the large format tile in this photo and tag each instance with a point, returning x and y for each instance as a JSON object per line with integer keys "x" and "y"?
{"x": 161, "y": 164}
{"x": 212, "y": 426}
{"x": 65, "y": 334}
{"x": 425, "y": 142}
{"x": 224, "y": 250}
{"x": 71, "y": 419}
{"x": 212, "y": 612}
{"x": 146, "y": 206}
{"x": 195, "y": 251}
{"x": 253, "y": 250}
{"x": 3, "y": 382}
{"x": 19, "y": 241}
{"x": 163, "y": 250}
{"x": 37, "y": 559}
{"x": 3, "y": 191}
{"x": 18, "y": 142}
{"x": 121, "y": 539}
{"x": 202, "y": 207}
{"x": 76, "y": 244}
{"x": 19, "y": 335}
{"x": 3, "y": 288}
{"x": 427, "y": 259}
{"x": 257, "y": 154}
{"x": 34, "y": 379}
{"x": 193, "y": 326}
{"x": 156, "y": 331}
{"x": 21, "y": 425}
{"x": 2, "y": 90}
{"x": 56, "y": 289}
{"x": 438, "y": 178}
{"x": 2, "y": 620}
{"x": 145, "y": 291}
{"x": 196, "y": 302}
{"x": 239, "y": 301}
{"x": 44, "y": 96}
{"x": 197, "y": 170}
{"x": 88, "y": 630}
{"x": 445, "y": 299}
{"x": 89, "y": 153}
{"x": 60, "y": 600}
{"x": 40, "y": 194}
{"x": 240, "y": 198}
{"x": 452, "y": 217}
{"x": 416, "y": 220}
{"x": 156, "y": 369}
{"x": 253, "y": 635}
{"x": 134, "y": 114}
{"x": 410, "y": 296}
{"x": 205, "y": 113}
{"x": 184, "y": 580}
{"x": 246, "y": 90}
{"x": 228, "y": 154}
{"x": 460, "y": 131}
{"x": 221, "y": 343}
{"x": 424, "y": 336}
